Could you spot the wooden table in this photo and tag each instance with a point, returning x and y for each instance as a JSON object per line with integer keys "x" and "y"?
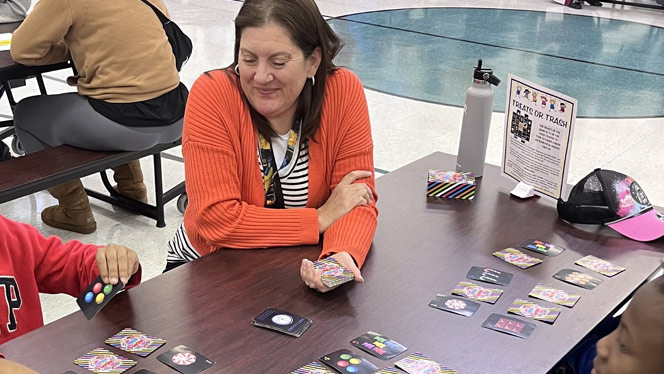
{"x": 420, "y": 249}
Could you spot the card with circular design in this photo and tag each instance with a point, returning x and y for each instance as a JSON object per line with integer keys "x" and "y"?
{"x": 477, "y": 292}
{"x": 553, "y": 295}
{"x": 101, "y": 360}
{"x": 456, "y": 305}
{"x": 531, "y": 310}
{"x": 132, "y": 341}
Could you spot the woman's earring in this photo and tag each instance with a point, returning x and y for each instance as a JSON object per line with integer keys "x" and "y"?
{"x": 237, "y": 69}
{"x": 313, "y": 80}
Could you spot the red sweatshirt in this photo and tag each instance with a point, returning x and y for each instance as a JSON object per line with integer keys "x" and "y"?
{"x": 31, "y": 263}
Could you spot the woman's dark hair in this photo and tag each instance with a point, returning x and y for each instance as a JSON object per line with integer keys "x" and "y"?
{"x": 308, "y": 30}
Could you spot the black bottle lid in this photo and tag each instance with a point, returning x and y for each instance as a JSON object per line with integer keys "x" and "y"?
{"x": 485, "y": 74}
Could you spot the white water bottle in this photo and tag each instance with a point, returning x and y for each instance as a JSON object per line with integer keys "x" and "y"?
{"x": 476, "y": 121}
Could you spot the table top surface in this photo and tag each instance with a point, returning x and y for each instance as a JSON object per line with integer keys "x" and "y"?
{"x": 422, "y": 247}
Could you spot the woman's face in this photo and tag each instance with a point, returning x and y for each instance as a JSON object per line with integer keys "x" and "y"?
{"x": 273, "y": 71}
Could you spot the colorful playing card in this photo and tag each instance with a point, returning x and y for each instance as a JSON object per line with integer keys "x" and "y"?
{"x": 344, "y": 361}
{"x": 476, "y": 292}
{"x": 489, "y": 275}
{"x": 531, "y": 310}
{"x": 417, "y": 363}
{"x": 132, "y": 341}
{"x": 578, "y": 278}
{"x": 553, "y": 295}
{"x": 601, "y": 266}
{"x": 509, "y": 325}
{"x": 332, "y": 273}
{"x": 185, "y": 360}
{"x": 282, "y": 321}
{"x": 455, "y": 305}
{"x": 311, "y": 368}
{"x": 378, "y": 345}
{"x": 388, "y": 370}
{"x": 517, "y": 258}
{"x": 542, "y": 247}
{"x": 96, "y": 296}
{"x": 101, "y": 360}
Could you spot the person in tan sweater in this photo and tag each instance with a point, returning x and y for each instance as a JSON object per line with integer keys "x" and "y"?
{"x": 277, "y": 147}
{"x": 129, "y": 92}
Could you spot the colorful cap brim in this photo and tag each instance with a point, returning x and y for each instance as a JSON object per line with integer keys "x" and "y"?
{"x": 643, "y": 227}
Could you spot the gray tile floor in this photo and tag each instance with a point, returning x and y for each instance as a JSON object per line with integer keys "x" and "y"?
{"x": 403, "y": 130}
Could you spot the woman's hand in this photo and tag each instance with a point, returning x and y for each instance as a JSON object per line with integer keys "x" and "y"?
{"x": 312, "y": 277}
{"x": 345, "y": 196}
{"x": 116, "y": 262}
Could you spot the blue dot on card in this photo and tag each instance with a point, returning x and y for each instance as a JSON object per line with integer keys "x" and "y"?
{"x": 352, "y": 369}
{"x": 88, "y": 297}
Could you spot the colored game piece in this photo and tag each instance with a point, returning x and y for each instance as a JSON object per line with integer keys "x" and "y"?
{"x": 378, "y": 345}
{"x": 476, "y": 292}
{"x": 101, "y": 360}
{"x": 517, "y": 258}
{"x": 132, "y": 341}
{"x": 601, "y": 266}
{"x": 332, "y": 273}
{"x": 553, "y": 295}
{"x": 96, "y": 296}
{"x": 531, "y": 310}
{"x": 418, "y": 363}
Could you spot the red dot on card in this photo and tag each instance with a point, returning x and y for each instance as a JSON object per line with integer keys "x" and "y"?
{"x": 342, "y": 364}
{"x": 96, "y": 288}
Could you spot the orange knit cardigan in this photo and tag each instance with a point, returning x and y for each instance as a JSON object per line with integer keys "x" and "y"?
{"x": 225, "y": 184}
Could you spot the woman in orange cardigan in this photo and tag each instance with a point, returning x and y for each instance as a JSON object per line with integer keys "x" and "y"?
{"x": 282, "y": 127}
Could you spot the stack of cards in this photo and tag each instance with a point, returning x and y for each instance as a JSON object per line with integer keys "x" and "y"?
{"x": 185, "y": 360}
{"x": 476, "y": 292}
{"x": 517, "y": 258}
{"x": 455, "y": 305}
{"x": 542, "y": 247}
{"x": 550, "y": 294}
{"x": 282, "y": 321}
{"x": 378, "y": 345}
{"x": 96, "y": 296}
{"x": 509, "y": 325}
{"x": 419, "y": 363}
{"x": 332, "y": 273}
{"x": 388, "y": 370}
{"x": 577, "y": 278}
{"x": 101, "y": 360}
{"x": 531, "y": 310}
{"x": 601, "y": 266}
{"x": 132, "y": 341}
{"x": 344, "y": 361}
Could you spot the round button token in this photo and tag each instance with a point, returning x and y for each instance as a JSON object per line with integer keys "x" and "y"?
{"x": 96, "y": 288}
{"x": 345, "y": 356}
{"x": 342, "y": 364}
{"x": 99, "y": 298}
{"x": 352, "y": 369}
{"x": 88, "y": 297}
{"x": 108, "y": 288}
{"x": 354, "y": 361}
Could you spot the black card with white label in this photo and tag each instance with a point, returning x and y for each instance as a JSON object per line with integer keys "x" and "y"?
{"x": 96, "y": 296}
{"x": 509, "y": 325}
{"x": 378, "y": 345}
{"x": 489, "y": 275}
{"x": 542, "y": 247}
{"x": 578, "y": 278}
{"x": 282, "y": 321}
{"x": 185, "y": 360}
{"x": 453, "y": 304}
{"x": 345, "y": 361}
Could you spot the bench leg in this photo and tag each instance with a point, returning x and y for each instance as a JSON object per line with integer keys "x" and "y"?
{"x": 159, "y": 190}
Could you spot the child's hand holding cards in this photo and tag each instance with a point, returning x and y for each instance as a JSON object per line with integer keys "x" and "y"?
{"x": 96, "y": 296}
{"x": 332, "y": 273}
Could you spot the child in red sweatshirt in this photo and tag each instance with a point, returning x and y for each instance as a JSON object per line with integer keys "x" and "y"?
{"x": 31, "y": 263}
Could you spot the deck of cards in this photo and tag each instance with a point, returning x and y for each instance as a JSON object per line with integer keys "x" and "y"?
{"x": 332, "y": 273}
{"x": 282, "y": 321}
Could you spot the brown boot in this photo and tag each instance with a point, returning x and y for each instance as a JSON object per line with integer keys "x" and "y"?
{"x": 73, "y": 213}
{"x": 129, "y": 179}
